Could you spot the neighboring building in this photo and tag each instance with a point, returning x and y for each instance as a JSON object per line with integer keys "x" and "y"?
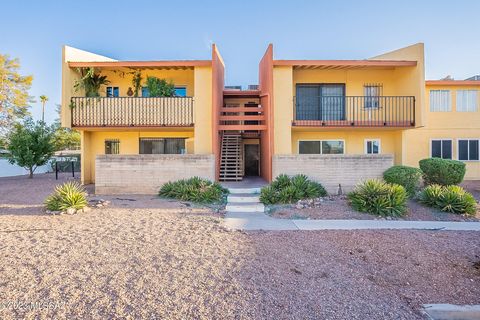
{"x": 338, "y": 121}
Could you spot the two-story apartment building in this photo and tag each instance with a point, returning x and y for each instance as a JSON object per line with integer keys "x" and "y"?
{"x": 338, "y": 121}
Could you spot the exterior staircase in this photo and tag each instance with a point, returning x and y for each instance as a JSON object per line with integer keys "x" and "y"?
{"x": 231, "y": 159}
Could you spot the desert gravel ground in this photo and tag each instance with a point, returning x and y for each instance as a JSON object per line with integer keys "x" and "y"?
{"x": 148, "y": 258}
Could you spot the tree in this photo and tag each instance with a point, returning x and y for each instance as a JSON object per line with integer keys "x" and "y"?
{"x": 30, "y": 145}
{"x": 43, "y": 99}
{"x": 65, "y": 138}
{"x": 14, "y": 98}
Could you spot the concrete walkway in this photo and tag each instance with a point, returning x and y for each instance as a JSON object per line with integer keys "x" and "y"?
{"x": 260, "y": 221}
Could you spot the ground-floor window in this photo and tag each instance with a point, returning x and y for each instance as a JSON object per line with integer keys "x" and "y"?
{"x": 162, "y": 145}
{"x": 468, "y": 149}
{"x": 112, "y": 146}
{"x": 441, "y": 148}
{"x": 372, "y": 146}
{"x": 321, "y": 147}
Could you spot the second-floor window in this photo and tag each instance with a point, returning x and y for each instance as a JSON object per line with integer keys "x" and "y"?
{"x": 112, "y": 92}
{"x": 440, "y": 100}
{"x": 467, "y": 100}
{"x": 372, "y": 94}
{"x": 441, "y": 149}
{"x": 162, "y": 146}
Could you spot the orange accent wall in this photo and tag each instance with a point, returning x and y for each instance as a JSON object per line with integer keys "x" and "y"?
{"x": 218, "y": 81}
{"x": 266, "y": 100}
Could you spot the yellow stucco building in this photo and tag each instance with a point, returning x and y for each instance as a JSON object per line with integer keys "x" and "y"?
{"x": 337, "y": 121}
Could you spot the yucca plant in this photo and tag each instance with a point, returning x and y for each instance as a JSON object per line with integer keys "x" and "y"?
{"x": 285, "y": 189}
{"x": 380, "y": 198}
{"x": 453, "y": 199}
{"x": 91, "y": 81}
{"x": 194, "y": 189}
{"x": 68, "y": 195}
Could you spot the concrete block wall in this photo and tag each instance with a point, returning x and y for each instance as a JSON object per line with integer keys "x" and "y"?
{"x": 146, "y": 173}
{"x": 331, "y": 170}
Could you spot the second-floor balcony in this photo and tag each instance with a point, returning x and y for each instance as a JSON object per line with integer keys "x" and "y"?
{"x": 132, "y": 112}
{"x": 354, "y": 111}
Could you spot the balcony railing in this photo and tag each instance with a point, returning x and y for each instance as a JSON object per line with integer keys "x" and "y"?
{"x": 132, "y": 112}
{"x": 354, "y": 111}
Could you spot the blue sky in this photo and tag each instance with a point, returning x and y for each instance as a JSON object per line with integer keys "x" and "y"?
{"x": 35, "y": 31}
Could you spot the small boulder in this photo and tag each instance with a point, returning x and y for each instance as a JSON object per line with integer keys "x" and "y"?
{"x": 71, "y": 211}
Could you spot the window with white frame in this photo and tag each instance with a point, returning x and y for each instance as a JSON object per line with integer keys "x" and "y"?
{"x": 321, "y": 147}
{"x": 467, "y": 100}
{"x": 468, "y": 149}
{"x": 372, "y": 146}
{"x": 440, "y": 100}
{"x": 441, "y": 148}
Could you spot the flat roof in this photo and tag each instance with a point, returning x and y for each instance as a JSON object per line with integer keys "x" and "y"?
{"x": 141, "y": 64}
{"x": 344, "y": 64}
{"x": 452, "y": 82}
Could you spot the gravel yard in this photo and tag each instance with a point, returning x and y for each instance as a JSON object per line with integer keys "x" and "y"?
{"x": 144, "y": 257}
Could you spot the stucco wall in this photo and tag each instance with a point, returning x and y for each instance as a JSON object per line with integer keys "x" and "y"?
{"x": 145, "y": 174}
{"x": 331, "y": 170}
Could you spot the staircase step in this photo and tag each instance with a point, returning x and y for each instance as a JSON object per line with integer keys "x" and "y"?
{"x": 242, "y": 198}
{"x": 244, "y": 190}
{"x": 245, "y": 207}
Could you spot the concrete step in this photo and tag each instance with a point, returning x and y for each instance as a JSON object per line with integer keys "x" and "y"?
{"x": 244, "y": 190}
{"x": 245, "y": 207}
{"x": 241, "y": 198}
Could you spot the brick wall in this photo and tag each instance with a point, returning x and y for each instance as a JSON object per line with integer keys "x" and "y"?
{"x": 331, "y": 170}
{"x": 144, "y": 174}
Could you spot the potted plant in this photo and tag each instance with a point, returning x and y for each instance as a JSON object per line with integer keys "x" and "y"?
{"x": 90, "y": 81}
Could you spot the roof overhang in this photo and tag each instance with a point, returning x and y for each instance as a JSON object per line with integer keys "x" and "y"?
{"x": 452, "y": 82}
{"x": 345, "y": 64}
{"x": 174, "y": 64}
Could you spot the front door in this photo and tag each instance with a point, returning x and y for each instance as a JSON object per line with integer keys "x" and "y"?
{"x": 252, "y": 160}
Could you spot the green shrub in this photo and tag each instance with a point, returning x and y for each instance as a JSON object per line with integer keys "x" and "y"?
{"x": 194, "y": 189}
{"x": 68, "y": 195}
{"x": 408, "y": 177}
{"x": 285, "y": 189}
{"x": 442, "y": 171}
{"x": 453, "y": 199}
{"x": 380, "y": 198}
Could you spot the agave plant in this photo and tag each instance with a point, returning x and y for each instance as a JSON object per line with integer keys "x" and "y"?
{"x": 68, "y": 195}
{"x": 285, "y": 189}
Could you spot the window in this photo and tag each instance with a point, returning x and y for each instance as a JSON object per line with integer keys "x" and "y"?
{"x": 112, "y": 146}
{"x": 467, "y": 100}
{"x": 180, "y": 91}
{"x": 468, "y": 149}
{"x": 162, "y": 146}
{"x": 321, "y": 147}
{"x": 372, "y": 146}
{"x": 441, "y": 149}
{"x": 320, "y": 102}
{"x": 112, "y": 92}
{"x": 440, "y": 100}
{"x": 372, "y": 95}
{"x": 145, "y": 92}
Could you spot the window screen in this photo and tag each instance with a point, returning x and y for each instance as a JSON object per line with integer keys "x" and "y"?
{"x": 441, "y": 149}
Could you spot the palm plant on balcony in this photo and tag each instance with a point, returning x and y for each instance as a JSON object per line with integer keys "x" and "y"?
{"x": 160, "y": 87}
{"x": 90, "y": 81}
{"x": 137, "y": 82}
